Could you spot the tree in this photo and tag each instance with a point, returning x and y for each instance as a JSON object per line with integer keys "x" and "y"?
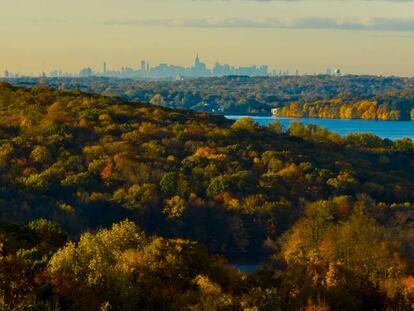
{"x": 123, "y": 268}
{"x": 344, "y": 182}
{"x": 210, "y": 296}
{"x": 276, "y": 127}
{"x": 138, "y": 197}
{"x": 85, "y": 274}
{"x": 245, "y": 124}
{"x": 157, "y": 100}
{"x": 349, "y": 261}
{"x": 175, "y": 207}
{"x": 49, "y": 235}
{"x": 40, "y": 154}
{"x": 169, "y": 182}
{"x": 297, "y": 129}
{"x": 219, "y": 185}
{"x": 404, "y": 145}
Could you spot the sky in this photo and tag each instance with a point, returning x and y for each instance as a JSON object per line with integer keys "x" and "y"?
{"x": 357, "y": 36}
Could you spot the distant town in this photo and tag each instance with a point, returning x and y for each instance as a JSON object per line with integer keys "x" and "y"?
{"x": 168, "y": 71}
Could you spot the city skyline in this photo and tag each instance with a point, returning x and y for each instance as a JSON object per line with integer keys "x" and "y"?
{"x": 143, "y": 69}
{"x": 130, "y": 71}
{"x": 358, "y": 36}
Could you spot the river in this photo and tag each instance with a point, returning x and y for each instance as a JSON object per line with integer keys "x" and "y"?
{"x": 385, "y": 129}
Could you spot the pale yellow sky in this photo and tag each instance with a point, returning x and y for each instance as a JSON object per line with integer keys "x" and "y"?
{"x": 358, "y": 36}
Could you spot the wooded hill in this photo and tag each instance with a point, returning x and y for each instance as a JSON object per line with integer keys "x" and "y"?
{"x": 357, "y": 97}
{"x": 336, "y": 213}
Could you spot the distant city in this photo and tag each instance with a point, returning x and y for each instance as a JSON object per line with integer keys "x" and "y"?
{"x": 168, "y": 71}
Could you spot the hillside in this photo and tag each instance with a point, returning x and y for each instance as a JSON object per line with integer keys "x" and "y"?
{"x": 347, "y": 97}
{"x": 195, "y": 186}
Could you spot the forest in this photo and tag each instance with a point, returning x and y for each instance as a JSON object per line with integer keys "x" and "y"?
{"x": 113, "y": 204}
{"x": 346, "y": 97}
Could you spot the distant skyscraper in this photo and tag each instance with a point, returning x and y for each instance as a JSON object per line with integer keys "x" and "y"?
{"x": 86, "y": 72}
{"x": 6, "y": 74}
{"x": 104, "y": 68}
{"x": 199, "y": 69}
{"x": 197, "y": 62}
{"x": 143, "y": 65}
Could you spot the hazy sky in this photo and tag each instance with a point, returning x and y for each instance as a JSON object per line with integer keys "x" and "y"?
{"x": 358, "y": 36}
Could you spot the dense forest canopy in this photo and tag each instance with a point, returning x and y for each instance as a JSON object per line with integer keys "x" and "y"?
{"x": 356, "y": 97}
{"x": 116, "y": 205}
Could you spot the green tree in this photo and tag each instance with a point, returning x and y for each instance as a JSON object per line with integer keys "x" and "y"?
{"x": 175, "y": 207}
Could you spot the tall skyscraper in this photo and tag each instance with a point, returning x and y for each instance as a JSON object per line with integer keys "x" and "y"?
{"x": 143, "y": 65}
{"x": 197, "y": 62}
{"x": 104, "y": 68}
{"x": 199, "y": 68}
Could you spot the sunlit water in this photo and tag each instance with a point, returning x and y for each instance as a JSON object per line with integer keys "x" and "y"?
{"x": 385, "y": 129}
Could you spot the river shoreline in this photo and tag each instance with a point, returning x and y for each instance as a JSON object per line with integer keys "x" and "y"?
{"x": 392, "y": 130}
